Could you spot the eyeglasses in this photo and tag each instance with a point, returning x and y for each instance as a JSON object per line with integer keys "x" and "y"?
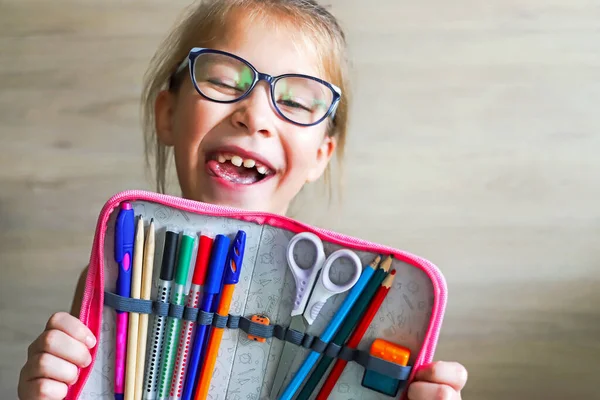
{"x": 226, "y": 78}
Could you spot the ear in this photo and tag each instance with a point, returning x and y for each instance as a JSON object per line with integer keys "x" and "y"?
{"x": 163, "y": 117}
{"x": 323, "y": 156}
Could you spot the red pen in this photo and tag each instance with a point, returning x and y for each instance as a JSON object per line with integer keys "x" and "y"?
{"x": 193, "y": 300}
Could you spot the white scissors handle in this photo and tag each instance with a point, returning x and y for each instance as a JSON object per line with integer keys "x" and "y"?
{"x": 305, "y": 278}
{"x": 325, "y": 288}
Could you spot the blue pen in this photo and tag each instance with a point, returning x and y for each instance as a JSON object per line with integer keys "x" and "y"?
{"x": 231, "y": 277}
{"x": 212, "y": 288}
{"x": 124, "y": 240}
{"x": 331, "y": 329}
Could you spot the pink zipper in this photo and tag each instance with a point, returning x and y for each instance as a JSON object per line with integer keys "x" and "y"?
{"x": 93, "y": 297}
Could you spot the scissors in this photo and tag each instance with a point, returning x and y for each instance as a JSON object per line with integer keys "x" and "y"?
{"x": 312, "y": 292}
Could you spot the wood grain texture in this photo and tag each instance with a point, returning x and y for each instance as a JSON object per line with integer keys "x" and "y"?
{"x": 474, "y": 142}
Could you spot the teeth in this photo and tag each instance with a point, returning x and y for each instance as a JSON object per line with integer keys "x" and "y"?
{"x": 237, "y": 161}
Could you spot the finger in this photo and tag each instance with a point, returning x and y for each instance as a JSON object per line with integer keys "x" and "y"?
{"x": 43, "y": 389}
{"x": 45, "y": 365}
{"x": 73, "y": 327}
{"x": 63, "y": 346}
{"x": 452, "y": 374}
{"x": 431, "y": 391}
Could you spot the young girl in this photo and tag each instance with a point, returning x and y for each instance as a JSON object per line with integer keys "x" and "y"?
{"x": 260, "y": 114}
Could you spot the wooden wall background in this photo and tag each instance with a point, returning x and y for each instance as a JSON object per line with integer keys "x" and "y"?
{"x": 474, "y": 143}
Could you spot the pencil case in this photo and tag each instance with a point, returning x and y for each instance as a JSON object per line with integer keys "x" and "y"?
{"x": 248, "y": 356}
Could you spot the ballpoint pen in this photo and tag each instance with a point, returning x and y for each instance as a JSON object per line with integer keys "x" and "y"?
{"x": 231, "y": 276}
{"x": 212, "y": 287}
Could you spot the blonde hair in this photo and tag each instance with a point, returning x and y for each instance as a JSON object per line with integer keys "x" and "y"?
{"x": 203, "y": 24}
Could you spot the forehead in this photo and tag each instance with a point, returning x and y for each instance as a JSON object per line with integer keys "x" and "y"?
{"x": 270, "y": 42}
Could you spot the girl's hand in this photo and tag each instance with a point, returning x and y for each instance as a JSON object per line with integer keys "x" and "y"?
{"x": 438, "y": 381}
{"x": 54, "y": 358}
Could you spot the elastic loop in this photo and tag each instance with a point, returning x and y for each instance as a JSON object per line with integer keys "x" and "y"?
{"x": 127, "y": 304}
{"x": 294, "y": 337}
{"x": 176, "y": 311}
{"x": 160, "y": 309}
{"x": 190, "y": 314}
{"x": 205, "y": 318}
{"x": 307, "y": 341}
{"x": 220, "y": 321}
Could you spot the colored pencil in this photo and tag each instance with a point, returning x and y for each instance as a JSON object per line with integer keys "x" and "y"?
{"x": 346, "y": 329}
{"x": 330, "y": 330}
{"x": 134, "y": 318}
{"x": 147, "y": 272}
{"x": 357, "y": 335}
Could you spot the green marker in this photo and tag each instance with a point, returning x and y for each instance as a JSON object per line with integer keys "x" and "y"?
{"x": 171, "y": 338}
{"x": 360, "y": 307}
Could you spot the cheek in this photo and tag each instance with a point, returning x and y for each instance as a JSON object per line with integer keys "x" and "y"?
{"x": 194, "y": 118}
{"x": 188, "y": 123}
{"x": 302, "y": 148}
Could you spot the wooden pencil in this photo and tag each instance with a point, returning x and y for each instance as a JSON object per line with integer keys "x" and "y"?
{"x": 147, "y": 272}
{"x": 357, "y": 335}
{"x": 132, "y": 336}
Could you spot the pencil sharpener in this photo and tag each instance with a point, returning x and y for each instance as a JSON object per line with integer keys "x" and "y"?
{"x": 259, "y": 319}
{"x": 392, "y": 353}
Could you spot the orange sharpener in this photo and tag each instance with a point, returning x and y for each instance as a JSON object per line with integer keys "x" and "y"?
{"x": 259, "y": 319}
{"x": 391, "y": 352}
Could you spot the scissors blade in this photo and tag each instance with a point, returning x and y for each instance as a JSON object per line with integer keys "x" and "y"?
{"x": 288, "y": 355}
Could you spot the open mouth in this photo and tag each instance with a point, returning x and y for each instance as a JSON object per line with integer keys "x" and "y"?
{"x": 238, "y": 169}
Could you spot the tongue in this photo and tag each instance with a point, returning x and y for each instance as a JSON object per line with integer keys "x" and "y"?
{"x": 229, "y": 172}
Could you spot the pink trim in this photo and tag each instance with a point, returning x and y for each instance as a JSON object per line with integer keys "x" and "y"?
{"x": 93, "y": 298}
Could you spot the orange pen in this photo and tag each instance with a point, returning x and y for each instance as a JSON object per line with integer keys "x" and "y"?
{"x": 230, "y": 279}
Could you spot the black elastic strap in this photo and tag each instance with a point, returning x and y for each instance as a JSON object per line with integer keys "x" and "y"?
{"x": 190, "y": 314}
{"x": 127, "y": 304}
{"x": 176, "y": 311}
{"x": 255, "y": 329}
{"x": 161, "y": 309}
{"x": 280, "y": 332}
{"x": 220, "y": 321}
{"x": 347, "y": 354}
{"x": 234, "y": 321}
{"x": 381, "y": 366}
{"x": 332, "y": 350}
{"x": 293, "y": 336}
{"x": 318, "y": 345}
{"x": 307, "y": 341}
{"x": 205, "y": 318}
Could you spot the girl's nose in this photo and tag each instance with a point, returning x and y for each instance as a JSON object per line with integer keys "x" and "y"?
{"x": 255, "y": 113}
